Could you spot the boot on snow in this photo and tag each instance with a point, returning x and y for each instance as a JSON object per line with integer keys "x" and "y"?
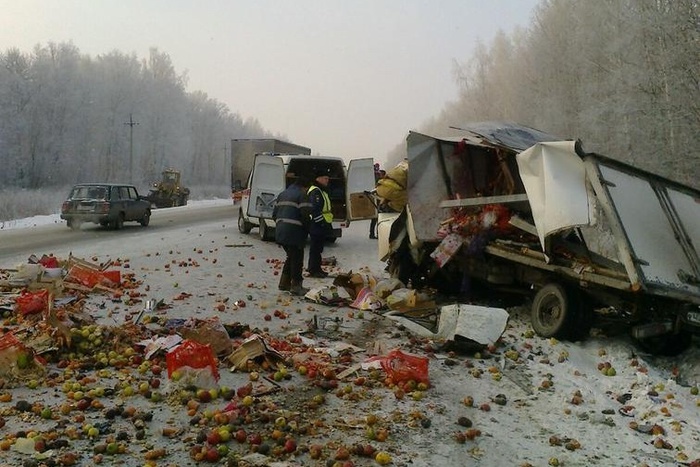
{"x": 298, "y": 290}
{"x": 285, "y": 282}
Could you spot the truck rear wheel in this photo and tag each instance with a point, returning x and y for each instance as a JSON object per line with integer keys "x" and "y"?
{"x": 243, "y": 225}
{"x": 553, "y": 314}
{"x": 266, "y": 233}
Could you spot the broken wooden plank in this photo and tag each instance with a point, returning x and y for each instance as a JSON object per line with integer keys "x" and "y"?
{"x": 456, "y": 203}
{"x": 523, "y": 225}
{"x": 348, "y": 371}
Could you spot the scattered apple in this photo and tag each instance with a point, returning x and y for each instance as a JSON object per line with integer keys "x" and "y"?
{"x": 290, "y": 446}
{"x": 203, "y": 395}
{"x": 212, "y": 455}
{"x": 315, "y": 451}
{"x": 382, "y": 458}
{"x": 241, "y": 436}
{"x": 213, "y": 438}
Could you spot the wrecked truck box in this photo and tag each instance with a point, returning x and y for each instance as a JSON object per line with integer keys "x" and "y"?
{"x": 580, "y": 228}
{"x": 479, "y": 164}
{"x": 651, "y": 224}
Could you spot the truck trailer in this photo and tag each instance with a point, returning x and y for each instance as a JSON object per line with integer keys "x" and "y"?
{"x": 503, "y": 208}
{"x": 243, "y": 153}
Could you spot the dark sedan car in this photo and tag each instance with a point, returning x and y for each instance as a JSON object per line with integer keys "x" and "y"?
{"x": 107, "y": 204}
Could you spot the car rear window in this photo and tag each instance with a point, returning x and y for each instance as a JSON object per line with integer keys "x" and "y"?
{"x": 89, "y": 192}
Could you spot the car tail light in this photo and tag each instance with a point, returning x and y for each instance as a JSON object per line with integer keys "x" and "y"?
{"x": 103, "y": 208}
{"x": 65, "y": 206}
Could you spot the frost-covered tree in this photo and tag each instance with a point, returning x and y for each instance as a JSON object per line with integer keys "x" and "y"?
{"x": 15, "y": 96}
{"x": 622, "y": 75}
{"x": 66, "y": 118}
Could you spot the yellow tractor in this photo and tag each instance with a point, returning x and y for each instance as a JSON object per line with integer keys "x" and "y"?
{"x": 168, "y": 192}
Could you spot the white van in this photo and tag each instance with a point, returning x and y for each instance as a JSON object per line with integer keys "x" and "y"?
{"x": 271, "y": 174}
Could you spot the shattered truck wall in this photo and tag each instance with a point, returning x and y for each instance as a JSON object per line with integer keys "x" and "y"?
{"x": 455, "y": 168}
{"x": 661, "y": 221}
{"x": 654, "y": 221}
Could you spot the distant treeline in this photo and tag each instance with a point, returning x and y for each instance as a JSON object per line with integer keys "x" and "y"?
{"x": 66, "y": 117}
{"x": 621, "y": 75}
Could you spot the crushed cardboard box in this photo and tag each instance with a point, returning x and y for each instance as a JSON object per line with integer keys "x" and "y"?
{"x": 253, "y": 348}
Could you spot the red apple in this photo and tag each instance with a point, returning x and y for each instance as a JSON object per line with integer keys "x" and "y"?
{"x": 213, "y": 438}
{"x": 290, "y": 445}
{"x": 212, "y": 455}
{"x": 83, "y": 404}
{"x": 244, "y": 390}
{"x": 341, "y": 454}
{"x": 136, "y": 359}
{"x": 40, "y": 445}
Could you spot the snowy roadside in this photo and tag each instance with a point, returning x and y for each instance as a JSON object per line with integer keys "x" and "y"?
{"x": 37, "y": 221}
{"x": 525, "y": 401}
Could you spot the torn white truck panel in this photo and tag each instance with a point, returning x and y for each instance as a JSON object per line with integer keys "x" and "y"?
{"x": 555, "y": 181}
{"x": 655, "y": 242}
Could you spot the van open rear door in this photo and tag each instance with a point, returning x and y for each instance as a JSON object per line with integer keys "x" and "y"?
{"x": 360, "y": 180}
{"x": 267, "y": 181}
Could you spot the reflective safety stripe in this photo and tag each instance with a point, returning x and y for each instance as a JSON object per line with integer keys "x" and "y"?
{"x": 289, "y": 221}
{"x": 293, "y": 204}
{"x": 326, "y": 213}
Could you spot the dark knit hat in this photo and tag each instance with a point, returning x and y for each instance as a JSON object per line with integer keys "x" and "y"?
{"x": 305, "y": 179}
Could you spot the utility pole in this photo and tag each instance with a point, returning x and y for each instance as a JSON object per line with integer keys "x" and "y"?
{"x": 225, "y": 166}
{"x": 131, "y": 124}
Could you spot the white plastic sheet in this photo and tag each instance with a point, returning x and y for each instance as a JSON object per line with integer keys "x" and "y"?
{"x": 483, "y": 325}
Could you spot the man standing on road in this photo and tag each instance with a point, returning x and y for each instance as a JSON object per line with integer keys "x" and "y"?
{"x": 321, "y": 222}
{"x": 292, "y": 214}
{"x": 378, "y": 175}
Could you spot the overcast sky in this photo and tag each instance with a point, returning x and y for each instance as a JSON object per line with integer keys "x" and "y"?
{"x": 346, "y": 77}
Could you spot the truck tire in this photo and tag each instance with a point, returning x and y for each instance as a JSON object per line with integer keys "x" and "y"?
{"x": 243, "y": 225}
{"x": 266, "y": 233}
{"x": 553, "y": 314}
